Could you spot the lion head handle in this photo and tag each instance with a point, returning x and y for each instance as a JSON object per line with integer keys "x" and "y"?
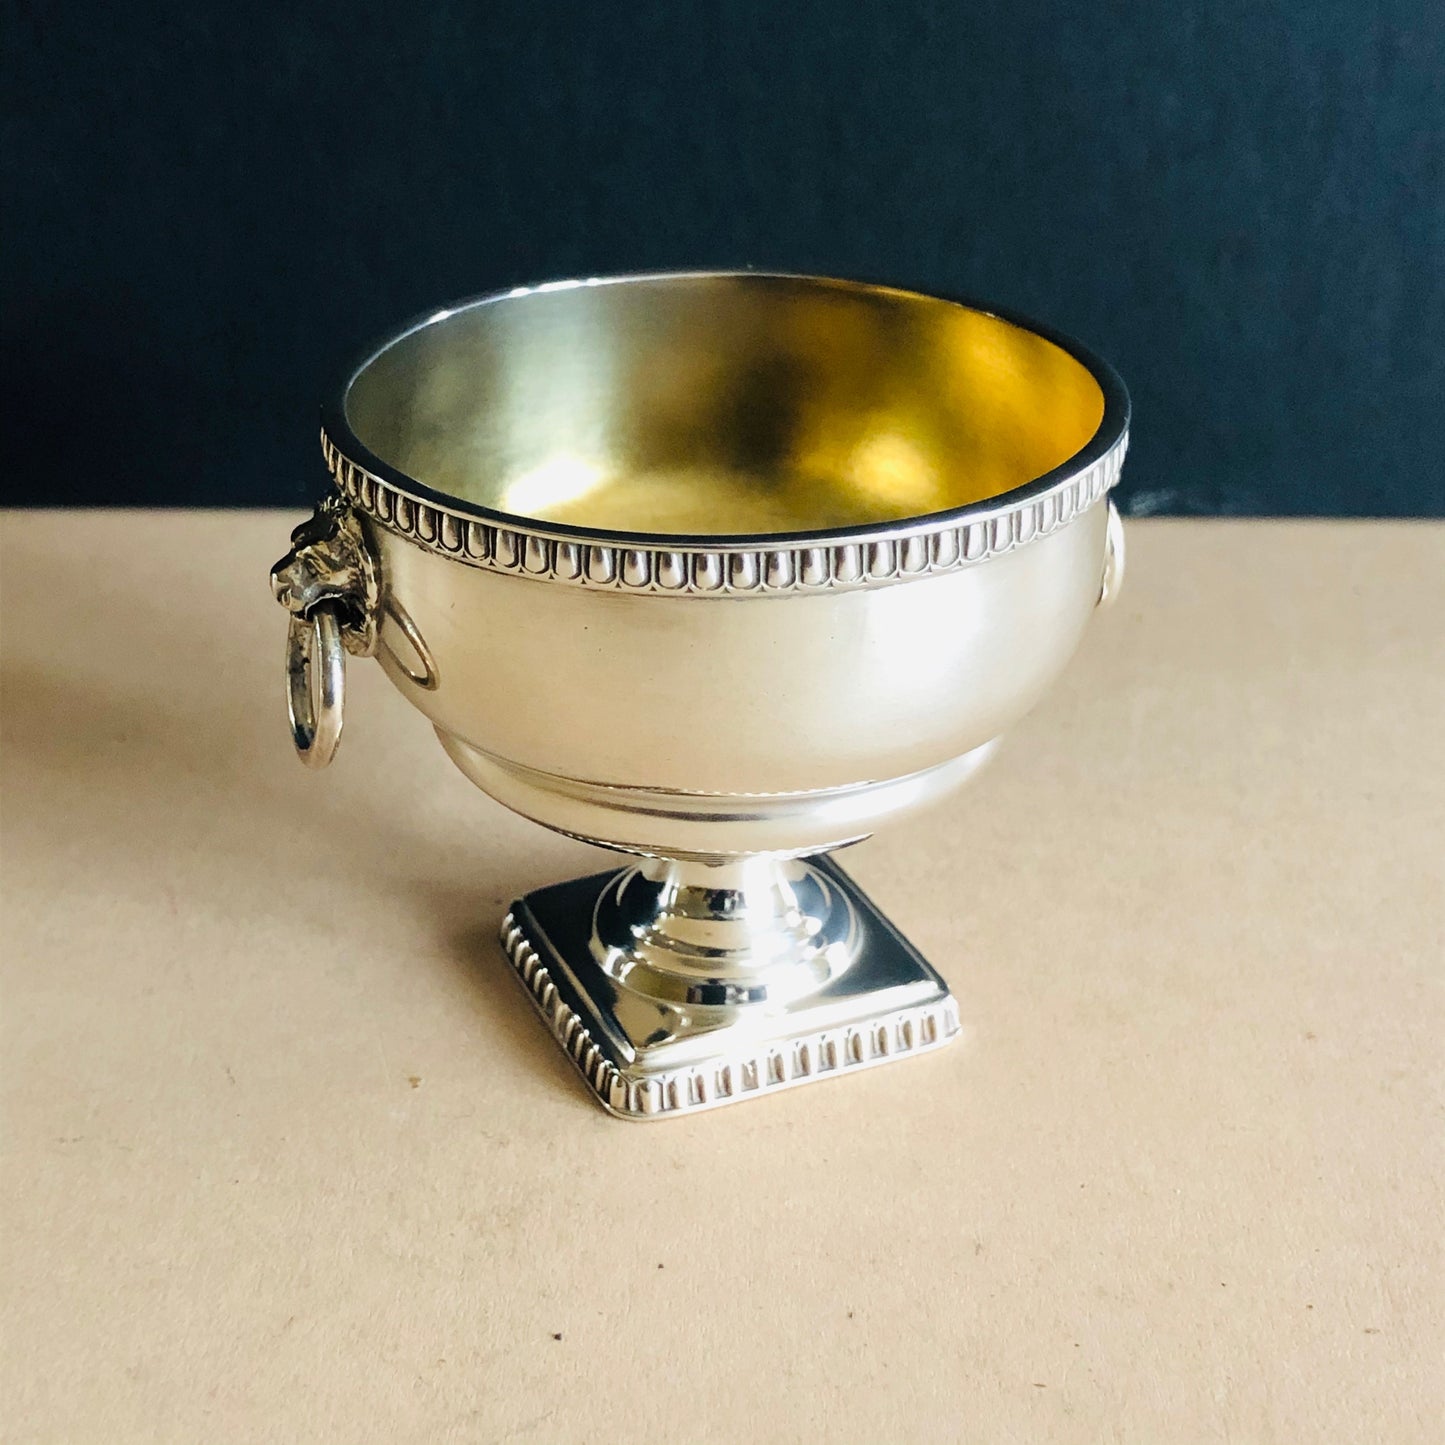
{"x": 330, "y": 563}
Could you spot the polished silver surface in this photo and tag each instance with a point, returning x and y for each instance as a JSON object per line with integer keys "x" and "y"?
{"x": 755, "y": 931}
{"x": 315, "y": 684}
{"x": 725, "y": 570}
{"x": 647, "y": 1057}
{"x": 1114, "y": 558}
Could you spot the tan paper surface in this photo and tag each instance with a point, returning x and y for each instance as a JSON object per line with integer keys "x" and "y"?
{"x": 288, "y": 1157}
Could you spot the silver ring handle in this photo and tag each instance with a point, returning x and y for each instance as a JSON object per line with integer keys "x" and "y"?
{"x": 315, "y": 684}
{"x": 1113, "y": 578}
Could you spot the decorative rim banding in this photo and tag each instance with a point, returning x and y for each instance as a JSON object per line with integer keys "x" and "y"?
{"x": 907, "y": 550}
{"x": 879, "y": 554}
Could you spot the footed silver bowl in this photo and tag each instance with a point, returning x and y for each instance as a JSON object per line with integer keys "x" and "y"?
{"x": 723, "y": 570}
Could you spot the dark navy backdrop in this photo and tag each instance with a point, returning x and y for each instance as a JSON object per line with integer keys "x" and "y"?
{"x": 1242, "y": 202}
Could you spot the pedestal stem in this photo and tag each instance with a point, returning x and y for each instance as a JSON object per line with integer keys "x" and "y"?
{"x": 752, "y": 931}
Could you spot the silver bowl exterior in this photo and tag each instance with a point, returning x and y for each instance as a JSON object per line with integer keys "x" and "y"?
{"x": 724, "y": 706}
{"x": 787, "y": 721}
{"x": 712, "y": 698}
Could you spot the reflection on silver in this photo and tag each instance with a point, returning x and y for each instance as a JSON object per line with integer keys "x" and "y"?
{"x": 722, "y": 570}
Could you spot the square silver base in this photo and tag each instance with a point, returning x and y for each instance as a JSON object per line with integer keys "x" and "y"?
{"x": 649, "y": 1060}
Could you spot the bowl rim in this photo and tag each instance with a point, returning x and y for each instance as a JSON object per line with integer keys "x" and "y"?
{"x": 341, "y": 444}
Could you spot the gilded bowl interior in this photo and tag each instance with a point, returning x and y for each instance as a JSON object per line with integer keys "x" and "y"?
{"x": 721, "y": 403}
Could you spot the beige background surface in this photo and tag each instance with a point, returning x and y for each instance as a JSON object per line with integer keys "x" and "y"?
{"x": 289, "y": 1158}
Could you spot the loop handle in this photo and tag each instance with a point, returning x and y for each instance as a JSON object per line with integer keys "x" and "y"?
{"x": 315, "y": 684}
{"x": 1113, "y": 578}
{"x": 330, "y": 585}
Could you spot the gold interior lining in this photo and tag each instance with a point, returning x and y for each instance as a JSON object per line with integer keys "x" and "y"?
{"x": 722, "y": 404}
